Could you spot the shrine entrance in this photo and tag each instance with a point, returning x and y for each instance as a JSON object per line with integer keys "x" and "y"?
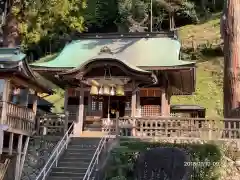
{"x": 113, "y": 104}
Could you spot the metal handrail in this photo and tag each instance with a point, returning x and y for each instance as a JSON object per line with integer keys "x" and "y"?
{"x": 95, "y": 158}
{"x": 55, "y": 154}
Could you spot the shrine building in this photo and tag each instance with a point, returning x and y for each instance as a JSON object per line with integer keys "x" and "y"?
{"x": 135, "y": 74}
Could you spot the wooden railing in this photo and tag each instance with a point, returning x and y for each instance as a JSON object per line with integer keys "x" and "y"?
{"x": 52, "y": 124}
{"x": 169, "y": 127}
{"x": 3, "y": 168}
{"x": 18, "y": 117}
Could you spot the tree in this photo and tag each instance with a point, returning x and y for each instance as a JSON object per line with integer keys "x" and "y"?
{"x": 231, "y": 34}
{"x": 137, "y": 10}
{"x": 32, "y": 20}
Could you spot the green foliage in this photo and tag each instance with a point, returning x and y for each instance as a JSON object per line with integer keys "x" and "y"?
{"x": 51, "y": 19}
{"x": 100, "y": 12}
{"x": 119, "y": 178}
{"x": 124, "y": 157}
{"x": 46, "y": 25}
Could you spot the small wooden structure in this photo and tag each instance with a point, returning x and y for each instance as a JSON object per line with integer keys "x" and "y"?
{"x": 17, "y": 123}
{"x": 145, "y": 65}
{"x": 192, "y": 111}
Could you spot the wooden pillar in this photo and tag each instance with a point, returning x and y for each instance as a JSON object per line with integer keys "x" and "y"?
{"x": 134, "y": 99}
{"x": 35, "y": 103}
{"x": 138, "y": 104}
{"x": 10, "y": 146}
{"x": 1, "y": 140}
{"x": 66, "y": 95}
{"x": 78, "y": 126}
{"x": 18, "y": 160}
{"x": 165, "y": 103}
{"x": 34, "y": 108}
{"x": 6, "y": 91}
{"x": 89, "y": 105}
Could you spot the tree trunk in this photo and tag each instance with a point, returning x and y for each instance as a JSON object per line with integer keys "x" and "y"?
{"x": 231, "y": 35}
{"x": 11, "y": 36}
{"x": 204, "y": 8}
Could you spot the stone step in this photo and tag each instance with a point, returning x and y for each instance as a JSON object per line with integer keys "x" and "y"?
{"x": 79, "y": 155}
{"x": 67, "y": 174}
{"x": 82, "y": 146}
{"x": 74, "y": 162}
{"x": 70, "y": 169}
{"x": 64, "y": 178}
{"x": 75, "y": 159}
{"x": 84, "y": 140}
{"x": 71, "y": 164}
{"x": 93, "y": 134}
{"x": 75, "y": 148}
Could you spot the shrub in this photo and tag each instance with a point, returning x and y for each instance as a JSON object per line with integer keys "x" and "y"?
{"x": 123, "y": 159}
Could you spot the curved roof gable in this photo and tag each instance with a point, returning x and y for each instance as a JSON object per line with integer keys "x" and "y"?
{"x": 139, "y": 52}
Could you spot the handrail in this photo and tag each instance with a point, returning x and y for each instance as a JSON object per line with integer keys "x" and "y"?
{"x": 55, "y": 154}
{"x": 95, "y": 158}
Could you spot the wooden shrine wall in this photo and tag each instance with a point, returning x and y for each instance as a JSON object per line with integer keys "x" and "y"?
{"x": 150, "y": 103}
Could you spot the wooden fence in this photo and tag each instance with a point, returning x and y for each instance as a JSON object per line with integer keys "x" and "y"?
{"x": 176, "y": 127}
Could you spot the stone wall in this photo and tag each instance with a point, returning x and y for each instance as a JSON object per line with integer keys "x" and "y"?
{"x": 39, "y": 150}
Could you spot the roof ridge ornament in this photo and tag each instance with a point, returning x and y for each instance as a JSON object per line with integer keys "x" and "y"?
{"x": 105, "y": 49}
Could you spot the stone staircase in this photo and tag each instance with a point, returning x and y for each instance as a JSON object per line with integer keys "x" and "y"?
{"x": 74, "y": 162}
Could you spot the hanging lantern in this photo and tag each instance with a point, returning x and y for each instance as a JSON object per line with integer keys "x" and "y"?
{"x": 112, "y": 92}
{"x": 100, "y": 92}
{"x": 120, "y": 90}
{"x": 94, "y": 90}
{"x": 106, "y": 90}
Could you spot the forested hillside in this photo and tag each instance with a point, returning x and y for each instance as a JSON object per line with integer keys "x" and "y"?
{"x": 45, "y": 26}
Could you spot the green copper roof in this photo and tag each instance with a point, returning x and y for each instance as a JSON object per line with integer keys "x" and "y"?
{"x": 11, "y": 54}
{"x": 106, "y": 56}
{"x": 137, "y": 52}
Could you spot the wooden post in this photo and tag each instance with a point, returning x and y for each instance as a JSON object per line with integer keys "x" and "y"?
{"x": 138, "y": 105}
{"x": 117, "y": 125}
{"x": 231, "y": 34}
{"x": 18, "y": 160}
{"x": 2, "y": 129}
{"x": 35, "y": 102}
{"x": 66, "y": 121}
{"x": 165, "y": 103}
{"x": 6, "y": 91}
{"x": 34, "y": 108}
{"x": 89, "y": 105}
{"x": 1, "y": 140}
{"x": 10, "y": 146}
{"x": 78, "y": 126}
{"x": 134, "y": 100}
{"x": 66, "y": 95}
